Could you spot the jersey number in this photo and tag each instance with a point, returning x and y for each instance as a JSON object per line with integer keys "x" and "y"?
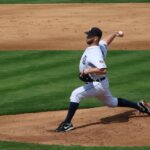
{"x": 84, "y": 59}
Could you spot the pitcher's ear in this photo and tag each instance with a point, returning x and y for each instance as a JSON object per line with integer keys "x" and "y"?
{"x": 96, "y": 38}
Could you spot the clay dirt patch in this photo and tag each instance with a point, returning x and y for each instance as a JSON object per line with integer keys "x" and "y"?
{"x": 93, "y": 127}
{"x": 62, "y": 26}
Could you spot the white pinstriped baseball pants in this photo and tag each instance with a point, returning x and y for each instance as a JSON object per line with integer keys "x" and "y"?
{"x": 100, "y": 90}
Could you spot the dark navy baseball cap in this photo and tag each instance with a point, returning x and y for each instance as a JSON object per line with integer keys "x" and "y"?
{"x": 94, "y": 31}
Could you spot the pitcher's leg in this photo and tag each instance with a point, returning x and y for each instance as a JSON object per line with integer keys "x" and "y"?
{"x": 108, "y": 99}
{"x": 111, "y": 101}
{"x": 89, "y": 90}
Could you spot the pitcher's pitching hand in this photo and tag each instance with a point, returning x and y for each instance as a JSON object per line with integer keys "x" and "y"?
{"x": 120, "y": 34}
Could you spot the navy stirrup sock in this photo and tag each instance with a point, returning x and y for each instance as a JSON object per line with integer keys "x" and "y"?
{"x": 71, "y": 111}
{"x": 125, "y": 103}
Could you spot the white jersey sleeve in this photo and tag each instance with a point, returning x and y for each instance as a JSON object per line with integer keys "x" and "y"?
{"x": 96, "y": 59}
{"x": 103, "y": 47}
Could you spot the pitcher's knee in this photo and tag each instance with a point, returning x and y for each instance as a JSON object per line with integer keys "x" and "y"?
{"x": 75, "y": 96}
{"x": 113, "y": 102}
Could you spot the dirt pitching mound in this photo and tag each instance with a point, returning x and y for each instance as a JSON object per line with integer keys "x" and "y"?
{"x": 62, "y": 26}
{"x": 93, "y": 127}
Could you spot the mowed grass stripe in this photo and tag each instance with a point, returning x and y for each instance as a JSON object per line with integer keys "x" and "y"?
{"x": 13, "y": 56}
{"x": 131, "y": 71}
{"x": 129, "y": 64}
{"x": 32, "y": 60}
{"x": 7, "y": 55}
{"x": 31, "y": 76}
{"x": 129, "y": 74}
{"x": 46, "y": 81}
{"x": 50, "y": 76}
{"x": 28, "y": 146}
{"x": 36, "y": 80}
{"x": 124, "y": 58}
{"x": 37, "y": 105}
{"x": 36, "y": 68}
{"x": 34, "y": 83}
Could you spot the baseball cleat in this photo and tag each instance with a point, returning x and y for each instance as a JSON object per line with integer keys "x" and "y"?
{"x": 64, "y": 127}
{"x": 144, "y": 108}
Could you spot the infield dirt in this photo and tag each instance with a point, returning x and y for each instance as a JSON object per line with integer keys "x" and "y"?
{"x": 93, "y": 127}
{"x": 62, "y": 26}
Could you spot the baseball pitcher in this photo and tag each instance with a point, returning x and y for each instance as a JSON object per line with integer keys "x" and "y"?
{"x": 93, "y": 71}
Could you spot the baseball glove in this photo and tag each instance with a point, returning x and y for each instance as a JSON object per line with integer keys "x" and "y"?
{"x": 85, "y": 77}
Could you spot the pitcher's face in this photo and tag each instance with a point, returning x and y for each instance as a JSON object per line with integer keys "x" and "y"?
{"x": 92, "y": 40}
{"x": 89, "y": 40}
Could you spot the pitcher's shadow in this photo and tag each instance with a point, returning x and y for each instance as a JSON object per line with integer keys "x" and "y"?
{"x": 118, "y": 118}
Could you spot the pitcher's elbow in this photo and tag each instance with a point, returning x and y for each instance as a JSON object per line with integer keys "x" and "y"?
{"x": 103, "y": 71}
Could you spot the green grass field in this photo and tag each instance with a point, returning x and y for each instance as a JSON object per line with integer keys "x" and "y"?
{"x": 34, "y": 81}
{"x": 23, "y": 146}
{"x": 71, "y": 1}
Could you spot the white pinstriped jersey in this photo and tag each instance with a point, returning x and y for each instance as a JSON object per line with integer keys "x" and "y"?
{"x": 94, "y": 56}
